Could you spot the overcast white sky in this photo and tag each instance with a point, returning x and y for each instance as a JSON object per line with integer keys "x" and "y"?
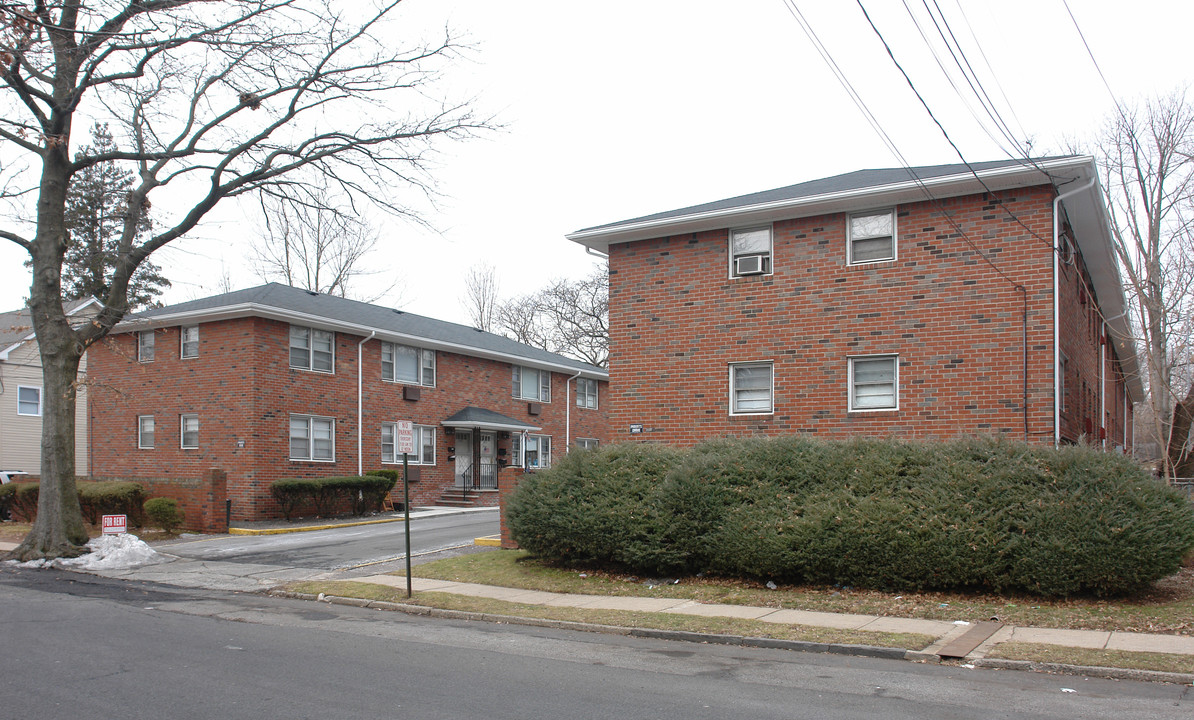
{"x": 627, "y": 107}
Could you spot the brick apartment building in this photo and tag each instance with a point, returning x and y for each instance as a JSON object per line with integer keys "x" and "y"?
{"x": 928, "y": 302}
{"x": 214, "y": 399}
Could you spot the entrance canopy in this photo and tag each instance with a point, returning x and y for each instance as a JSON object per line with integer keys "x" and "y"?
{"x": 482, "y": 419}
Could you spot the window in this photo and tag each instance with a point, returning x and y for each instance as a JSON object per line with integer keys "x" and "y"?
{"x": 872, "y": 237}
{"x": 28, "y": 401}
{"x": 531, "y": 451}
{"x": 750, "y": 388}
{"x": 404, "y": 364}
{"x": 586, "y": 393}
{"x": 190, "y": 341}
{"x": 145, "y": 346}
{"x": 312, "y": 438}
{"x": 874, "y": 383}
{"x": 532, "y": 384}
{"x": 311, "y": 349}
{"x": 145, "y": 432}
{"x": 189, "y": 432}
{"x": 587, "y": 443}
{"x": 750, "y": 251}
{"x": 424, "y": 445}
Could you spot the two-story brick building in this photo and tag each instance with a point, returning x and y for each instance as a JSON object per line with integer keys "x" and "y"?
{"x": 276, "y": 382}
{"x": 924, "y": 302}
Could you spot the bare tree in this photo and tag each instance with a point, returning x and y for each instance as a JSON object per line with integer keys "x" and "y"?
{"x": 481, "y": 296}
{"x": 570, "y": 317}
{"x": 215, "y": 100}
{"x": 313, "y": 241}
{"x": 1147, "y": 157}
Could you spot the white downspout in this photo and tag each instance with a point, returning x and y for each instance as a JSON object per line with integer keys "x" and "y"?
{"x": 1103, "y": 385}
{"x": 360, "y": 402}
{"x": 568, "y": 413}
{"x": 1057, "y": 311}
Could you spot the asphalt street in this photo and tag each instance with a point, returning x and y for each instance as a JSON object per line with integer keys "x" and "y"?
{"x": 85, "y": 646}
{"x": 341, "y": 548}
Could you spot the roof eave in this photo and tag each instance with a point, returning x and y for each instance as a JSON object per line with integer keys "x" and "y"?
{"x": 601, "y": 238}
{"x": 250, "y": 309}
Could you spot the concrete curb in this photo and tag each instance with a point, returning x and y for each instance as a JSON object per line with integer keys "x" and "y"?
{"x": 872, "y": 651}
{"x": 332, "y": 526}
{"x": 1086, "y": 671}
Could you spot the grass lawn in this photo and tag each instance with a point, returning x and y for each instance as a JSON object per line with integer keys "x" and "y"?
{"x": 620, "y": 618}
{"x": 15, "y": 532}
{"x": 1168, "y": 608}
{"x": 1161, "y": 662}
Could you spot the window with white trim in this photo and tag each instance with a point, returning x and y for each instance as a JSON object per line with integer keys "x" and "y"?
{"x": 750, "y": 251}
{"x": 145, "y": 432}
{"x": 145, "y": 346}
{"x": 424, "y": 445}
{"x": 751, "y": 388}
{"x": 189, "y": 341}
{"x": 188, "y": 431}
{"x": 530, "y": 451}
{"x": 872, "y": 237}
{"x": 532, "y": 384}
{"x": 312, "y": 438}
{"x": 405, "y": 364}
{"x": 312, "y": 349}
{"x": 587, "y": 443}
{"x": 874, "y": 382}
{"x": 28, "y": 400}
{"x": 586, "y": 393}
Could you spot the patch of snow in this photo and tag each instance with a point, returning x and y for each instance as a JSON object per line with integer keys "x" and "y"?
{"x": 108, "y": 552}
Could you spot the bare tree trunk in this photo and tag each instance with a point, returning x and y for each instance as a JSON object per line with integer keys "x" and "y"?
{"x": 1178, "y": 453}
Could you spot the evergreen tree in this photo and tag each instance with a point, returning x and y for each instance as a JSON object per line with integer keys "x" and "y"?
{"x": 96, "y": 205}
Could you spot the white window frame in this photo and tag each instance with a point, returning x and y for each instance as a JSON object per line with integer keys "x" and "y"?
{"x": 310, "y": 421}
{"x": 424, "y": 445}
{"x": 895, "y": 383}
{"x": 588, "y": 443}
{"x": 424, "y": 360}
{"x": 182, "y": 431}
{"x": 183, "y": 342}
{"x": 518, "y": 449}
{"x": 145, "y": 346}
{"x": 544, "y": 384}
{"x": 891, "y": 212}
{"x": 141, "y": 432}
{"x": 37, "y": 389}
{"x": 587, "y": 399}
{"x": 768, "y": 261}
{"x": 733, "y": 380}
{"x": 309, "y": 349}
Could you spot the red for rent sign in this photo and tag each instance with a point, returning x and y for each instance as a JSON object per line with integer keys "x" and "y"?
{"x": 115, "y": 524}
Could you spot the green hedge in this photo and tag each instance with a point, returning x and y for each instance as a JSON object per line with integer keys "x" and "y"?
{"x": 164, "y": 513}
{"x": 324, "y": 495}
{"x": 96, "y": 499}
{"x": 974, "y": 514}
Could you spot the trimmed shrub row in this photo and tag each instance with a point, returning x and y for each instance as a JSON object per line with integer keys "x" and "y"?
{"x": 96, "y": 499}
{"x": 362, "y": 493}
{"x": 974, "y": 514}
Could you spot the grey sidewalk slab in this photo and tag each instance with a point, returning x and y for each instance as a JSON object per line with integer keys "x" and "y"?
{"x": 1092, "y": 639}
{"x": 1143, "y": 642}
{"x": 840, "y": 621}
{"x": 937, "y": 628}
{"x": 709, "y": 610}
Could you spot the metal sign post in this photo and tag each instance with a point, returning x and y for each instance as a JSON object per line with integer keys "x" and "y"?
{"x": 406, "y": 445}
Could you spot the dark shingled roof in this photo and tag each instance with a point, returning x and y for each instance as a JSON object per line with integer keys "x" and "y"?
{"x": 337, "y": 311}
{"x": 848, "y": 182}
{"x": 480, "y": 417}
{"x": 16, "y": 325}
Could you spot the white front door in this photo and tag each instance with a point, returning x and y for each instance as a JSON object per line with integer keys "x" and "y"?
{"x": 488, "y": 461}
{"x": 464, "y": 458}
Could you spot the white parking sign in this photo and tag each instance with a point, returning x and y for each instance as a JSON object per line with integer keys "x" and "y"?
{"x": 406, "y": 437}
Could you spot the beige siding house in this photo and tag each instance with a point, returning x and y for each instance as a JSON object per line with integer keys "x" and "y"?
{"x": 21, "y": 397}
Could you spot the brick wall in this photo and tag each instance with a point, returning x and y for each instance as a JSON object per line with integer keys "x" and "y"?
{"x": 244, "y": 392}
{"x": 957, "y": 323}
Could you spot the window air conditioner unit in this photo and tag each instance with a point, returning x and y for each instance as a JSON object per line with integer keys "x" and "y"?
{"x": 748, "y": 265}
